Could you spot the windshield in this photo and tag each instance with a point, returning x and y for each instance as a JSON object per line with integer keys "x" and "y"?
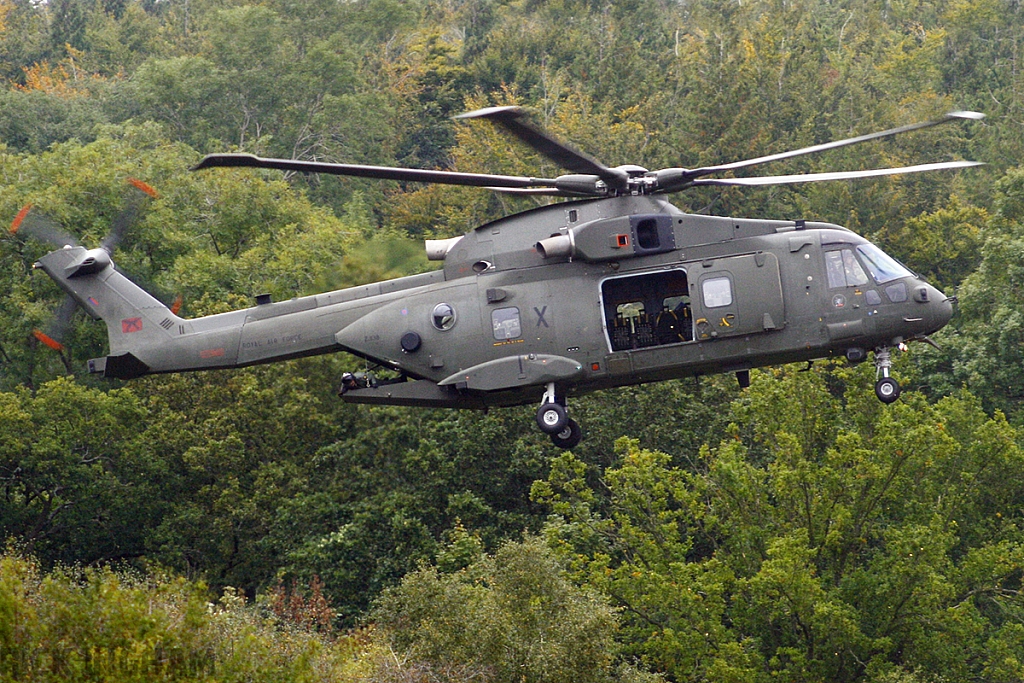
{"x": 882, "y": 267}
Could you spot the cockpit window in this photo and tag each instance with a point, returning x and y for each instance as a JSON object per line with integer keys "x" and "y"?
{"x": 843, "y": 269}
{"x": 883, "y": 267}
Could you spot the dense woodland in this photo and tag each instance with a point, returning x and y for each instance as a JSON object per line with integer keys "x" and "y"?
{"x": 245, "y": 525}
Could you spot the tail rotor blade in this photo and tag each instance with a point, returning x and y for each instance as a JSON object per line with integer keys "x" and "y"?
{"x": 33, "y": 224}
{"x": 57, "y": 330}
{"x": 144, "y": 187}
{"x": 16, "y": 223}
{"x": 48, "y": 340}
{"x": 129, "y": 215}
{"x": 119, "y": 227}
{"x": 62, "y": 320}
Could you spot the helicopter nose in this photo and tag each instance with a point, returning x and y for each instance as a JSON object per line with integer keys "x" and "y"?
{"x": 938, "y": 308}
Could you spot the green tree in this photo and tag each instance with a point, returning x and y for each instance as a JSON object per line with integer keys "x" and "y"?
{"x": 67, "y": 25}
{"x": 943, "y": 246}
{"x": 234, "y": 448}
{"x": 76, "y": 486}
{"x": 983, "y": 346}
{"x": 828, "y": 541}
{"x": 397, "y": 481}
{"x": 513, "y": 617}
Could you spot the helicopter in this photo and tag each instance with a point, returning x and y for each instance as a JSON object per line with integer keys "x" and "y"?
{"x": 612, "y": 286}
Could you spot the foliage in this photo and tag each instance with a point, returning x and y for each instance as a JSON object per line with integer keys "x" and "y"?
{"x": 102, "y": 625}
{"x": 794, "y": 530}
{"x": 983, "y": 350}
{"x": 74, "y": 486}
{"x": 512, "y": 616}
{"x": 944, "y": 247}
{"x": 867, "y": 541}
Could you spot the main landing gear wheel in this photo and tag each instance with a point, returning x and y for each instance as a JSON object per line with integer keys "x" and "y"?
{"x": 551, "y": 418}
{"x": 568, "y": 437}
{"x": 887, "y": 390}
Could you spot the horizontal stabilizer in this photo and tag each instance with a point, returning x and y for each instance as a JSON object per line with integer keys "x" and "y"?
{"x": 125, "y": 366}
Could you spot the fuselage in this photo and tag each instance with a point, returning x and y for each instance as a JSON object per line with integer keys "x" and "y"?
{"x": 645, "y": 293}
{"x": 584, "y": 295}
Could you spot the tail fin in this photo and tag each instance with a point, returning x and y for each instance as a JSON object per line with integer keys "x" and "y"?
{"x": 137, "y": 323}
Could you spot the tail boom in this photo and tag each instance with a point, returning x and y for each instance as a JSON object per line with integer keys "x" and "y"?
{"x": 146, "y": 337}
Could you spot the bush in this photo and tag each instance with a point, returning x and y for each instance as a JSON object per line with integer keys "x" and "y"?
{"x": 103, "y": 625}
{"x": 509, "y": 618}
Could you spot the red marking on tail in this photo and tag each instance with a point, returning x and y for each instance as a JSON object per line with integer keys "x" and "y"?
{"x": 48, "y": 340}
{"x": 16, "y": 223}
{"x": 129, "y": 325}
{"x": 144, "y": 187}
{"x": 176, "y": 306}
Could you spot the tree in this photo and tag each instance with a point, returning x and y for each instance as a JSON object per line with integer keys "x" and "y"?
{"x": 513, "y": 617}
{"x": 67, "y": 25}
{"x": 77, "y": 487}
{"x": 944, "y": 246}
{"x": 983, "y": 345}
{"x": 834, "y": 540}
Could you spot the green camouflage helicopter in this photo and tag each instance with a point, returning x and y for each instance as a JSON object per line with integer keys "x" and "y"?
{"x": 615, "y": 286}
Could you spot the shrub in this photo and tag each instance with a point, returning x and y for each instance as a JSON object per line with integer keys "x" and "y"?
{"x": 512, "y": 617}
{"x": 103, "y": 625}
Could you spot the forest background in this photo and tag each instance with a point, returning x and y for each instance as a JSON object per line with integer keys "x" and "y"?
{"x": 246, "y": 525}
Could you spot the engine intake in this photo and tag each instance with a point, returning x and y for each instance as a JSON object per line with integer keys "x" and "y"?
{"x": 608, "y": 239}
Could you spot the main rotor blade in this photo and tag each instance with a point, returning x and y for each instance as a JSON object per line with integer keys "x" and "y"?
{"x": 536, "y": 191}
{"x": 951, "y": 116}
{"x": 378, "y": 172}
{"x": 514, "y": 120}
{"x": 840, "y": 175}
{"x": 676, "y": 179}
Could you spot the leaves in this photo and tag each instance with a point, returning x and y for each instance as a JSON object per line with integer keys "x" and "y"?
{"x": 512, "y": 615}
{"x": 795, "y": 530}
{"x": 806, "y": 549}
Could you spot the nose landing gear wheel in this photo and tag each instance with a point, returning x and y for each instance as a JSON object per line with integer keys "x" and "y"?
{"x": 551, "y": 418}
{"x": 887, "y": 390}
{"x": 568, "y": 437}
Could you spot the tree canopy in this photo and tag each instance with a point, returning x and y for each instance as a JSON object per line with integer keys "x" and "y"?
{"x": 795, "y": 530}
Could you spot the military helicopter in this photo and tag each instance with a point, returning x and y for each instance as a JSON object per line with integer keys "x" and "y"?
{"x": 615, "y": 286}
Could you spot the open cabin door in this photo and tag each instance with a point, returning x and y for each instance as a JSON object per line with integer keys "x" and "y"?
{"x": 647, "y": 309}
{"x": 736, "y": 296}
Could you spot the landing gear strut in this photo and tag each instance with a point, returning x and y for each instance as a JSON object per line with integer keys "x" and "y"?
{"x": 886, "y": 388}
{"x": 555, "y": 422}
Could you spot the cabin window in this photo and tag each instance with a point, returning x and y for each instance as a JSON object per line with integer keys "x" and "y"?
{"x": 506, "y": 323}
{"x": 717, "y": 292}
{"x": 647, "y": 310}
{"x": 443, "y": 317}
{"x": 843, "y": 269}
